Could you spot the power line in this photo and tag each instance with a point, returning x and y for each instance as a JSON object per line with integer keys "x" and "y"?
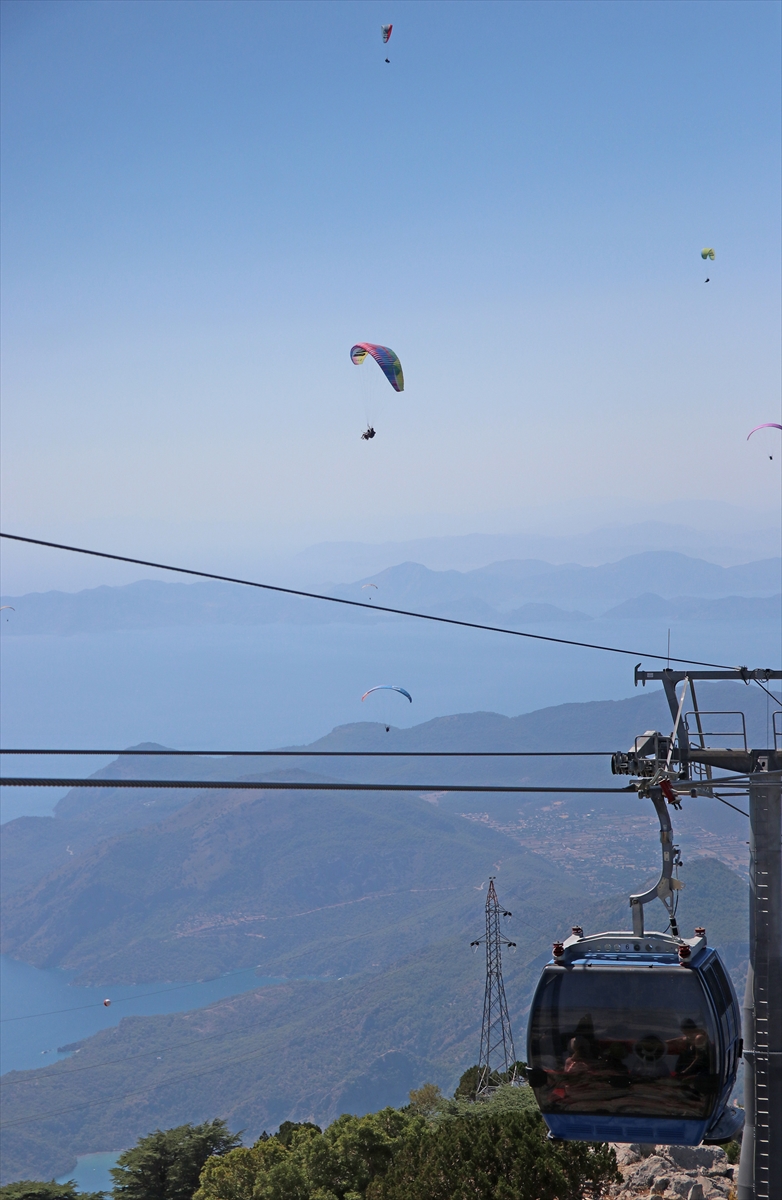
{"x": 371, "y": 607}
{"x": 329, "y": 753}
{"x": 232, "y": 785}
{"x": 65, "y": 1069}
{"x": 125, "y": 1095}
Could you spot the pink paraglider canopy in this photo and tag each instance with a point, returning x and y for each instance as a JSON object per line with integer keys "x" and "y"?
{"x": 767, "y": 425}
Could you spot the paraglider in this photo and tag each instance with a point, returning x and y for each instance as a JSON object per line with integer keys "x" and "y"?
{"x": 386, "y": 32}
{"x": 707, "y": 252}
{"x": 366, "y": 585}
{"x": 107, "y": 1004}
{"x": 391, "y": 367}
{"x": 387, "y": 687}
{"x": 765, "y": 425}
{"x": 385, "y": 358}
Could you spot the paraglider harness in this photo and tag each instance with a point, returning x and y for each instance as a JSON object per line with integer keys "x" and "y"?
{"x": 367, "y": 434}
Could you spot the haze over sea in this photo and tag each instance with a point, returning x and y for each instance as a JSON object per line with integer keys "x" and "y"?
{"x": 234, "y": 688}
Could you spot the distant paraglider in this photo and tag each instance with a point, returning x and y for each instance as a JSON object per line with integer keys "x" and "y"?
{"x": 107, "y": 1004}
{"x": 707, "y": 252}
{"x": 765, "y": 425}
{"x": 387, "y": 687}
{"x": 385, "y": 31}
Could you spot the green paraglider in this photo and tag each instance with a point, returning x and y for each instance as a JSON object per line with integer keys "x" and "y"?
{"x": 707, "y": 252}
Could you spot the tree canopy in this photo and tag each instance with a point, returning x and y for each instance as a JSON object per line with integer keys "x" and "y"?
{"x": 166, "y": 1164}
{"x": 435, "y": 1149}
{"x": 499, "y": 1156}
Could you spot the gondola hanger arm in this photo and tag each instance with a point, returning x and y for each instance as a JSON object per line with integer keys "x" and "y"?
{"x": 666, "y": 884}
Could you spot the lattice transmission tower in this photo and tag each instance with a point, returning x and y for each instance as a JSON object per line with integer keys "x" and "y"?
{"x": 498, "y": 1056}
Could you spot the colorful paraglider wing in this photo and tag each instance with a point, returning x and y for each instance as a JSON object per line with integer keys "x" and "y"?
{"x": 387, "y": 687}
{"x": 385, "y": 358}
{"x": 386, "y": 32}
{"x": 707, "y": 252}
{"x": 767, "y": 425}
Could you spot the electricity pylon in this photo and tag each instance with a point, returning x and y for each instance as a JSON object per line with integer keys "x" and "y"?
{"x": 496, "y": 1036}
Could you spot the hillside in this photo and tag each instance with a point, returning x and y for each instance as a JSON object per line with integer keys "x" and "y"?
{"x": 297, "y": 883}
{"x": 309, "y": 1050}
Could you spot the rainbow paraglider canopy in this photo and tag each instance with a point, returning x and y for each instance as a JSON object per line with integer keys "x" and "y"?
{"x": 385, "y": 358}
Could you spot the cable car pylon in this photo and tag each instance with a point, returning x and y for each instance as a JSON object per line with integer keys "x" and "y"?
{"x": 497, "y": 1061}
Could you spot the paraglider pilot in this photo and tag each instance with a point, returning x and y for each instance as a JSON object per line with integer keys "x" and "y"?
{"x": 367, "y": 434}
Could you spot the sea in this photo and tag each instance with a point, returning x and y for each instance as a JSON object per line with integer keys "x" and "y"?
{"x": 229, "y": 687}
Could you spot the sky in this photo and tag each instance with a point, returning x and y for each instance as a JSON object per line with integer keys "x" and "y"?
{"x": 204, "y": 205}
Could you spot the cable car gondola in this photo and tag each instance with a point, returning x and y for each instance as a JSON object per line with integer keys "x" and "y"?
{"x": 634, "y": 1036}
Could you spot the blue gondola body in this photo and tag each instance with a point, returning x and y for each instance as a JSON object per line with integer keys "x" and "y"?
{"x": 636, "y": 1039}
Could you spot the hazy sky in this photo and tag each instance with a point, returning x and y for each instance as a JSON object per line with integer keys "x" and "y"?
{"x": 206, "y": 204}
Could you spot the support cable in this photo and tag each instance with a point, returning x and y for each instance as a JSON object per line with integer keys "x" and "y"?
{"x": 371, "y": 607}
{"x": 66, "y": 1071}
{"x": 722, "y": 800}
{"x": 233, "y": 785}
{"x": 326, "y": 753}
{"x": 765, "y": 689}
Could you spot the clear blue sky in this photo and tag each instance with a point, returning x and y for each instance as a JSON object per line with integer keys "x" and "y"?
{"x": 205, "y": 204}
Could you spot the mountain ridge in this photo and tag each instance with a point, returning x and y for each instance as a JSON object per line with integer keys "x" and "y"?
{"x": 506, "y": 591}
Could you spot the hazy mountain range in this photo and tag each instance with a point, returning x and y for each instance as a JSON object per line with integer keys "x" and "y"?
{"x": 513, "y": 592}
{"x": 742, "y": 537}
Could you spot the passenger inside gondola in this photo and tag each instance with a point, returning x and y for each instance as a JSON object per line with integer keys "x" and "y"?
{"x": 692, "y": 1049}
{"x": 579, "y": 1061}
